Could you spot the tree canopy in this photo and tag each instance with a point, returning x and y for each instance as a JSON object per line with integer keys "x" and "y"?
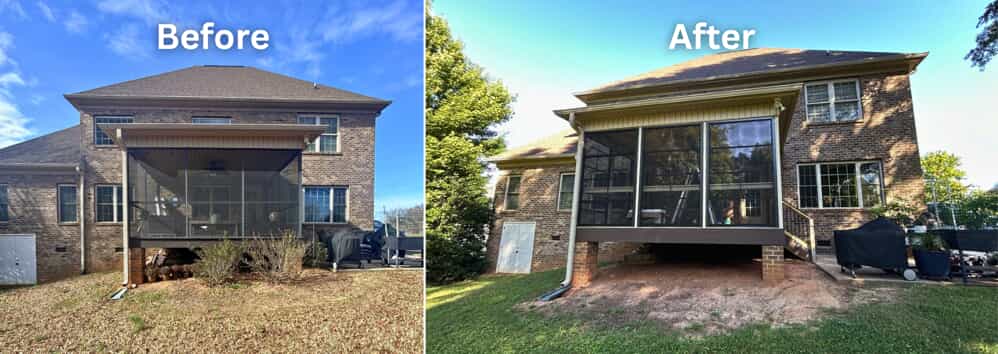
{"x": 987, "y": 40}
{"x": 945, "y": 169}
{"x": 463, "y": 107}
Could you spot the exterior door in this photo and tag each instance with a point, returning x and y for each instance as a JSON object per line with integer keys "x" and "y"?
{"x": 17, "y": 260}
{"x": 516, "y": 247}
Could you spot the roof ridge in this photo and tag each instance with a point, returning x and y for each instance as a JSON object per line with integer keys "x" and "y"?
{"x": 315, "y": 83}
{"x": 134, "y": 80}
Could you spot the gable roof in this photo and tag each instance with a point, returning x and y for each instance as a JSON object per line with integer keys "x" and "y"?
{"x": 54, "y": 149}
{"x": 747, "y": 62}
{"x": 562, "y": 144}
{"x": 225, "y": 82}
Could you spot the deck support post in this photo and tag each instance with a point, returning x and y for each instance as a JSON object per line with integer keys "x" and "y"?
{"x": 136, "y": 266}
{"x": 585, "y": 263}
{"x": 772, "y": 263}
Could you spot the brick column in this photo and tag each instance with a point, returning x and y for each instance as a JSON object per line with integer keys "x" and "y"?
{"x": 136, "y": 265}
{"x": 584, "y": 265}
{"x": 772, "y": 263}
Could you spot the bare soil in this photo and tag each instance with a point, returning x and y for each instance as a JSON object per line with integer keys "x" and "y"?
{"x": 371, "y": 311}
{"x": 702, "y": 299}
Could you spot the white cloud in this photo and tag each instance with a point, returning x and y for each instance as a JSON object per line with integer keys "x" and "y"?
{"x": 149, "y": 11}
{"x": 6, "y": 42}
{"x": 13, "y": 124}
{"x": 14, "y": 7}
{"x": 125, "y": 42}
{"x": 75, "y": 22}
{"x": 46, "y": 11}
{"x": 37, "y": 99}
{"x": 394, "y": 19}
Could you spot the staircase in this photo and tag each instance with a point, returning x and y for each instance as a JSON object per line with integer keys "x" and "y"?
{"x": 799, "y": 230}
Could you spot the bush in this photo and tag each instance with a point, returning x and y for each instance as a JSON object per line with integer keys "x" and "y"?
{"x": 449, "y": 260}
{"x": 277, "y": 259}
{"x": 979, "y": 210}
{"x": 929, "y": 242}
{"x": 316, "y": 254}
{"x": 901, "y": 211}
{"x": 218, "y": 263}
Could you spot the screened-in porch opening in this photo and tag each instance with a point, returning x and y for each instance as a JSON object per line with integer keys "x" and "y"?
{"x": 213, "y": 193}
{"x": 660, "y": 172}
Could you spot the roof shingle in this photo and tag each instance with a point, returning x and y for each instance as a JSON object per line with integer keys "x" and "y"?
{"x": 60, "y": 147}
{"x": 230, "y": 82}
{"x": 557, "y": 145}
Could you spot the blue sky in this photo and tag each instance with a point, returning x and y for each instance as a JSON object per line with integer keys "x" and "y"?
{"x": 50, "y": 48}
{"x": 545, "y": 50}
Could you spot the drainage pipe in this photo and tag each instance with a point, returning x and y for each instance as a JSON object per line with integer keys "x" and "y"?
{"x": 80, "y": 205}
{"x": 573, "y": 223}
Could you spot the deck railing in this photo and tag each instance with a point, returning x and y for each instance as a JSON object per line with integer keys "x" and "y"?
{"x": 799, "y": 229}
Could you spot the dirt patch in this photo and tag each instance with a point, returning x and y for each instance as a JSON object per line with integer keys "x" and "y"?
{"x": 701, "y": 299}
{"x": 375, "y": 311}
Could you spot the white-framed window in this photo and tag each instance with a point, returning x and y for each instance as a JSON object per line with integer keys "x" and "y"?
{"x": 833, "y": 101}
{"x": 108, "y": 202}
{"x": 565, "y": 189}
{"x": 840, "y": 185}
{"x": 512, "y": 197}
{"x": 99, "y": 137}
{"x": 68, "y": 208}
{"x": 211, "y": 120}
{"x": 325, "y": 205}
{"x": 329, "y": 141}
{"x": 4, "y": 204}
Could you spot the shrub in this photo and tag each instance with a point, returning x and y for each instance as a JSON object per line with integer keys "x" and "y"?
{"x": 979, "y": 210}
{"x": 929, "y": 242}
{"x": 316, "y": 254}
{"x": 901, "y": 211}
{"x": 277, "y": 259}
{"x": 217, "y": 263}
{"x": 449, "y": 260}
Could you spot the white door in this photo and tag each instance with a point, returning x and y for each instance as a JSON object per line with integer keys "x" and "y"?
{"x": 516, "y": 247}
{"x": 17, "y": 260}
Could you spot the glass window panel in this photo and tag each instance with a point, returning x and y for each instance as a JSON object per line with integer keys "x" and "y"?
{"x": 670, "y": 187}
{"x": 817, "y": 93}
{"x": 211, "y": 120}
{"x": 99, "y": 137}
{"x": 846, "y": 111}
{"x": 306, "y": 120}
{"x": 565, "y": 193}
{"x": 819, "y": 112}
{"x": 808, "y": 187}
{"x": 317, "y": 205}
{"x": 742, "y": 185}
{"x": 67, "y": 204}
{"x": 870, "y": 179}
{"x": 838, "y": 186}
{"x": 512, "y": 201}
{"x": 327, "y": 143}
{"x": 4, "y": 204}
{"x": 108, "y": 203}
{"x": 845, "y": 91}
{"x": 332, "y": 124}
{"x": 339, "y": 205}
{"x": 609, "y": 162}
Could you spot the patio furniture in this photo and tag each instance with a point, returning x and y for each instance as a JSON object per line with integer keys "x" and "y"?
{"x": 971, "y": 240}
{"x": 879, "y": 244}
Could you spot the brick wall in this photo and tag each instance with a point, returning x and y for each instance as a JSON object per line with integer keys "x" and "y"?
{"x": 772, "y": 263}
{"x": 33, "y": 210}
{"x": 352, "y": 167}
{"x": 886, "y": 133}
{"x": 538, "y": 203}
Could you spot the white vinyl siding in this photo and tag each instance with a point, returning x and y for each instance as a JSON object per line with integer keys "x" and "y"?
{"x": 329, "y": 141}
{"x": 833, "y": 101}
{"x": 99, "y": 137}
{"x": 840, "y": 185}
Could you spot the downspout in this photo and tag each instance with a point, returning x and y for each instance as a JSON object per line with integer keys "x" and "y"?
{"x": 81, "y": 205}
{"x": 567, "y": 283}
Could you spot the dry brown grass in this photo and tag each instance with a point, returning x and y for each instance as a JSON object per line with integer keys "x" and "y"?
{"x": 374, "y": 311}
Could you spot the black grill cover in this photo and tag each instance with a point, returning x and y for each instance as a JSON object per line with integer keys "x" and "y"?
{"x": 879, "y": 244}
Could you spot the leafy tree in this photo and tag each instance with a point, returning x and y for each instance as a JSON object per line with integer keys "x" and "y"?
{"x": 462, "y": 109}
{"x": 979, "y": 209}
{"x": 945, "y": 169}
{"x": 987, "y": 40}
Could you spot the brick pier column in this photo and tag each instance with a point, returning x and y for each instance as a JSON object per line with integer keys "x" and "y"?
{"x": 136, "y": 265}
{"x": 772, "y": 263}
{"x": 584, "y": 264}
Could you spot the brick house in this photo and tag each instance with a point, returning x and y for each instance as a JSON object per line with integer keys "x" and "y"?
{"x": 794, "y": 143}
{"x": 196, "y": 155}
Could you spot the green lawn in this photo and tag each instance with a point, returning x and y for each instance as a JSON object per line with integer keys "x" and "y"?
{"x": 478, "y": 316}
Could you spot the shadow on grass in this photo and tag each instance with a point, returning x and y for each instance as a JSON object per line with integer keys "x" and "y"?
{"x": 480, "y": 316}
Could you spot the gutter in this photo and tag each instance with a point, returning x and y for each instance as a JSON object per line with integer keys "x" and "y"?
{"x": 83, "y": 229}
